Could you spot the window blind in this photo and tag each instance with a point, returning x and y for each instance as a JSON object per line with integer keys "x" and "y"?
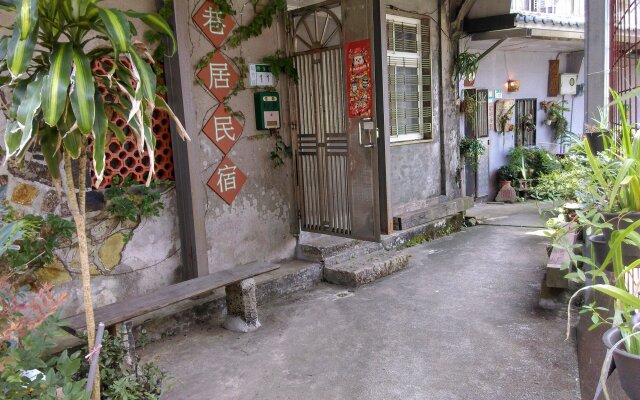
{"x": 409, "y": 66}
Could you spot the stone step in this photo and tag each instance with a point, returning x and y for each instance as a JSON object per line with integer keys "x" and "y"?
{"x": 363, "y": 270}
{"x": 331, "y": 250}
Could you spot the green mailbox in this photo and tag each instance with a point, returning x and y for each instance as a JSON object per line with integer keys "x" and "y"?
{"x": 267, "y": 110}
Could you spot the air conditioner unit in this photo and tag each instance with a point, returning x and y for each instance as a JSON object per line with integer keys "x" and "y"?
{"x": 568, "y": 83}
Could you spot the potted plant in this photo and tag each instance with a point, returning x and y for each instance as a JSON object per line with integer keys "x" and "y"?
{"x": 58, "y": 104}
{"x": 471, "y": 149}
{"x": 506, "y": 175}
{"x": 465, "y": 67}
{"x": 623, "y": 338}
{"x": 615, "y": 191}
{"x": 613, "y": 194}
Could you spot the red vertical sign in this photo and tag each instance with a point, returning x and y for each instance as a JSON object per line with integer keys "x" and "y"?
{"x": 359, "y": 92}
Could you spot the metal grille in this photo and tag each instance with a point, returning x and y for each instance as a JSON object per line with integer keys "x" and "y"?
{"x": 482, "y": 113}
{"x": 409, "y": 66}
{"x": 526, "y": 109}
{"x": 624, "y": 48}
{"x": 624, "y": 77}
{"x": 322, "y": 168}
{"x": 124, "y": 159}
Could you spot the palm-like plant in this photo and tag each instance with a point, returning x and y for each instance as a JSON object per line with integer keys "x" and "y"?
{"x": 51, "y": 99}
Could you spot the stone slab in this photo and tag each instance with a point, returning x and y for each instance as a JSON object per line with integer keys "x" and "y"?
{"x": 365, "y": 270}
{"x": 438, "y": 211}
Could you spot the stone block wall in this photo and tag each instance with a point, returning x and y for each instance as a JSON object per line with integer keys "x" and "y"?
{"x": 126, "y": 258}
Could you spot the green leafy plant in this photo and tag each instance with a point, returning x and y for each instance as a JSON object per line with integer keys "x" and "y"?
{"x": 265, "y": 11}
{"x": 35, "y": 250}
{"x": 615, "y": 171}
{"x": 123, "y": 378}
{"x": 566, "y": 183}
{"x": 537, "y": 162}
{"x": 281, "y": 64}
{"x": 45, "y": 66}
{"x": 557, "y": 121}
{"x": 130, "y": 201}
{"x": 465, "y": 66}
{"x": 471, "y": 149}
{"x": 507, "y": 173}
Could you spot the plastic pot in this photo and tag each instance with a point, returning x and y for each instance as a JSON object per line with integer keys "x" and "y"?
{"x": 630, "y": 253}
{"x": 600, "y": 248}
{"x": 627, "y": 364}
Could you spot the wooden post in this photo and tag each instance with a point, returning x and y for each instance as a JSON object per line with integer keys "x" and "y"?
{"x": 190, "y": 195}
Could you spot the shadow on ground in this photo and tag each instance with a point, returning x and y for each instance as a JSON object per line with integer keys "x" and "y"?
{"x": 460, "y": 323}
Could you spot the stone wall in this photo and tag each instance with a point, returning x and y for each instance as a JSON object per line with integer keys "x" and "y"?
{"x": 126, "y": 258}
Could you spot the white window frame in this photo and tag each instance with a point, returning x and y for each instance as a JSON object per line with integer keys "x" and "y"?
{"x": 400, "y": 58}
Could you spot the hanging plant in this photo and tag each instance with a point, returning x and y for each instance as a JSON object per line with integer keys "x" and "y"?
{"x": 469, "y": 107}
{"x": 504, "y": 120}
{"x": 556, "y": 120}
{"x": 471, "y": 149}
{"x": 465, "y": 66}
{"x": 528, "y": 123}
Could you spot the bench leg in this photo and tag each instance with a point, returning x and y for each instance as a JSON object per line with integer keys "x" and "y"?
{"x": 242, "y": 308}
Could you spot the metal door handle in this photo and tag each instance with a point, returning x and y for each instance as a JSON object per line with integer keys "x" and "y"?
{"x": 367, "y": 126}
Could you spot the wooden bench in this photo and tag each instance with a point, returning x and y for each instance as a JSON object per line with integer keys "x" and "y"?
{"x": 240, "y": 296}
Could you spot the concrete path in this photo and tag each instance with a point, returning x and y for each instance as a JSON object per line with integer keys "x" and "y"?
{"x": 460, "y": 323}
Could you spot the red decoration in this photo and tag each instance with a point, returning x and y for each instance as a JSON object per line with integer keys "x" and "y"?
{"x": 359, "y": 80}
{"x": 209, "y": 20}
{"x": 223, "y": 129}
{"x": 227, "y": 180}
{"x": 218, "y": 76}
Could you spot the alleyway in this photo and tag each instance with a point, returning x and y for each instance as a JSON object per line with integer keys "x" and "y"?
{"x": 461, "y": 322}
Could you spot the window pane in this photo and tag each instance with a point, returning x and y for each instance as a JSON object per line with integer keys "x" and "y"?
{"x": 407, "y": 104}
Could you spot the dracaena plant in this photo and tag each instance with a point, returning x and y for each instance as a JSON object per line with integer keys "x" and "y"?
{"x": 616, "y": 170}
{"x": 51, "y": 100}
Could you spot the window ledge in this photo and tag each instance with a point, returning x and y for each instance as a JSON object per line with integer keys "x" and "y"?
{"x": 415, "y": 141}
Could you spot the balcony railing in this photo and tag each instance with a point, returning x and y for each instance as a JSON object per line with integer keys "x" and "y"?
{"x": 566, "y": 9}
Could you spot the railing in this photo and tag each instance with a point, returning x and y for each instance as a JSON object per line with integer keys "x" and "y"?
{"x": 624, "y": 48}
{"x": 569, "y": 9}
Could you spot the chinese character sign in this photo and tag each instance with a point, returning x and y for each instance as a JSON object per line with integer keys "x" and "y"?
{"x": 223, "y": 129}
{"x": 218, "y": 76}
{"x": 227, "y": 180}
{"x": 359, "y": 92}
{"x": 215, "y": 26}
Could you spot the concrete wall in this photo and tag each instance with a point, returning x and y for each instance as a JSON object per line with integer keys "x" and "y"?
{"x": 257, "y": 226}
{"x": 417, "y": 168}
{"x": 531, "y": 68}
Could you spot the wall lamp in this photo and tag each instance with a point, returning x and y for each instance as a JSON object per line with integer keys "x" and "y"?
{"x": 513, "y": 85}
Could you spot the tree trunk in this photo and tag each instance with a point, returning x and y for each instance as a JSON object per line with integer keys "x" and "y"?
{"x": 78, "y": 212}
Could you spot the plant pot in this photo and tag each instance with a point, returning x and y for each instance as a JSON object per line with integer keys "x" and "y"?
{"x": 600, "y": 248}
{"x": 627, "y": 364}
{"x": 469, "y": 83}
{"x": 504, "y": 183}
{"x": 630, "y": 253}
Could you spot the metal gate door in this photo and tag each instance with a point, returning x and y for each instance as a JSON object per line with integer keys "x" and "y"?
{"x": 323, "y": 153}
